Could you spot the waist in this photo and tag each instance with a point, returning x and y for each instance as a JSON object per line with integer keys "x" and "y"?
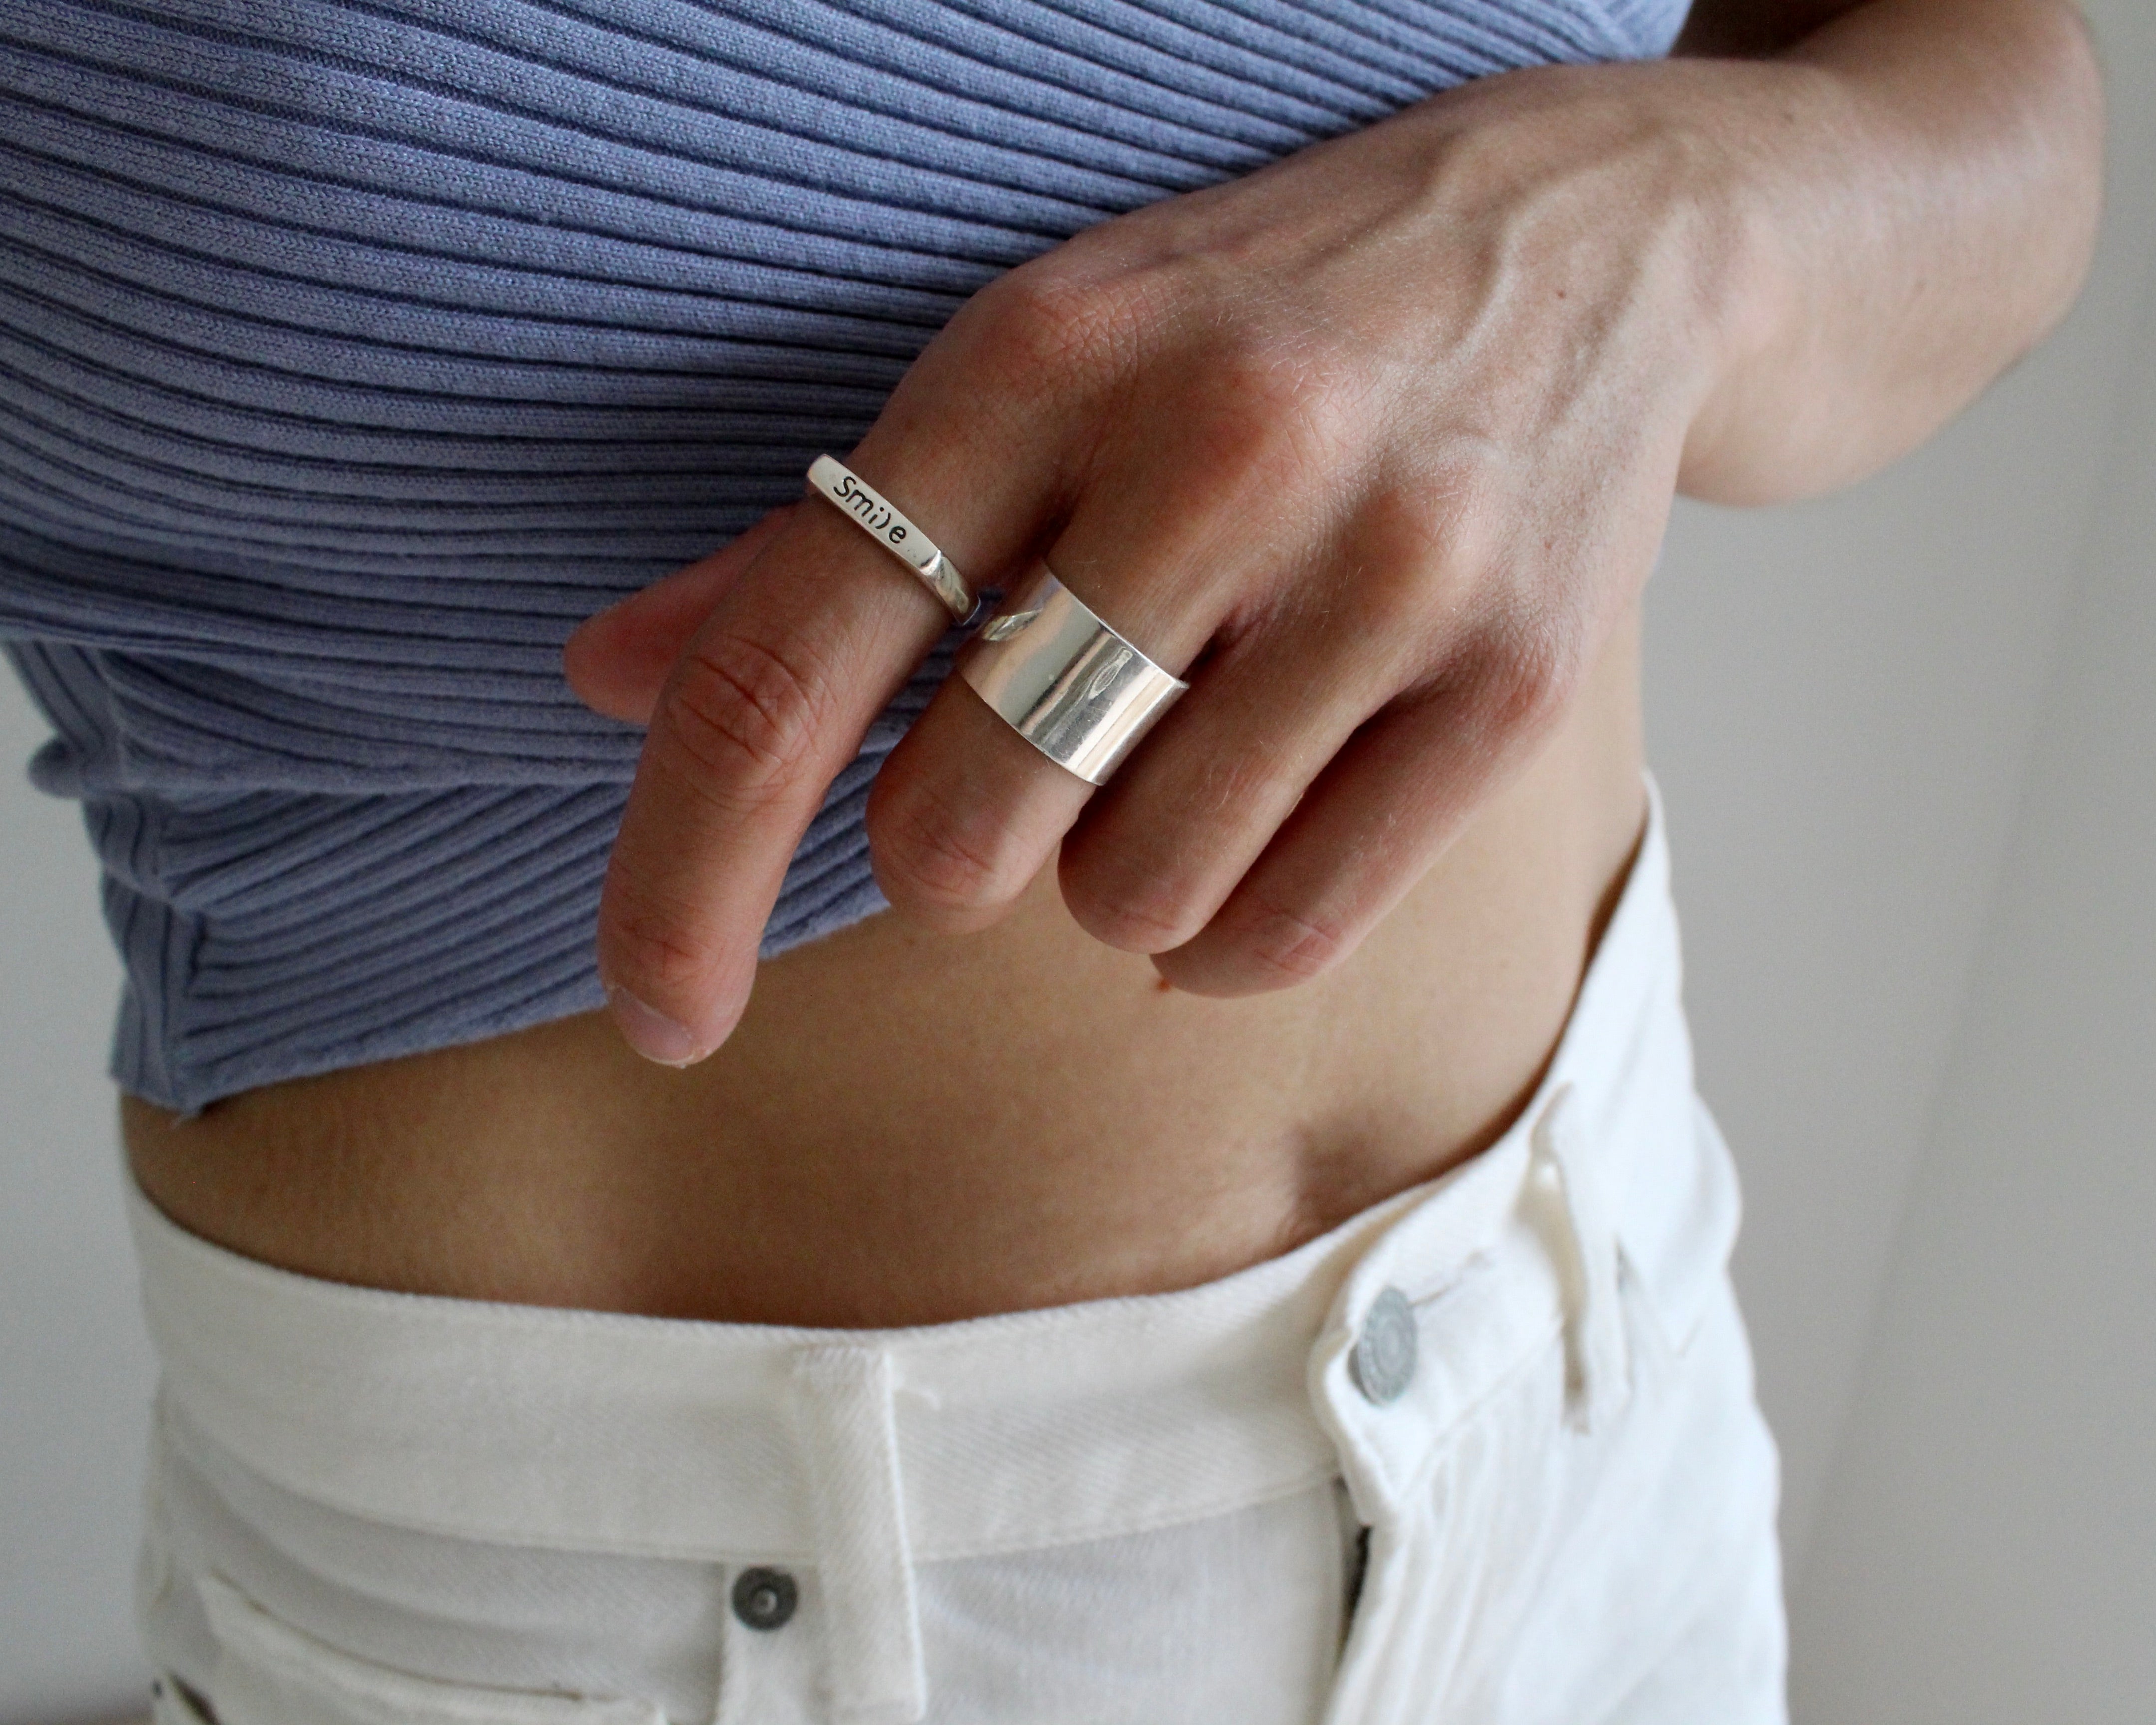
{"x": 485, "y": 1420}
{"x": 908, "y": 1129}
{"x": 341, "y": 1473}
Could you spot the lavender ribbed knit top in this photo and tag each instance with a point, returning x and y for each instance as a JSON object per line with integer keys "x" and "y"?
{"x": 352, "y": 351}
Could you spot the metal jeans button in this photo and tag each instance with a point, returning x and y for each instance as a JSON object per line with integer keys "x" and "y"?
{"x": 764, "y": 1598}
{"x": 1383, "y": 1362}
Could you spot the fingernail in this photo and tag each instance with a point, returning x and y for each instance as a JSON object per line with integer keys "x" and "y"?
{"x": 652, "y": 1033}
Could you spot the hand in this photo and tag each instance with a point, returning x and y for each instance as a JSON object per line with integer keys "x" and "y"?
{"x": 1373, "y": 446}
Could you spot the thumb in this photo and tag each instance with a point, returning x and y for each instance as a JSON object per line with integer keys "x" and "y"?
{"x": 618, "y": 661}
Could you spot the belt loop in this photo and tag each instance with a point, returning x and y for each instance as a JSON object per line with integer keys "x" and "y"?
{"x": 1565, "y": 1191}
{"x": 850, "y": 1438}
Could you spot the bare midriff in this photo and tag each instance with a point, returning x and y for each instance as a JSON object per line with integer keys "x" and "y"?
{"x": 912, "y": 1128}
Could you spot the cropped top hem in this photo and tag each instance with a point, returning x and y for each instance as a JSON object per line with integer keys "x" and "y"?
{"x": 351, "y": 354}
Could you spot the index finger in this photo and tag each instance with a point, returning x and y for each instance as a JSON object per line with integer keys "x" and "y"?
{"x": 769, "y": 701}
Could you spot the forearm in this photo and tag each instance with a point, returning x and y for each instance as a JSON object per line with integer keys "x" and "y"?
{"x": 1916, "y": 184}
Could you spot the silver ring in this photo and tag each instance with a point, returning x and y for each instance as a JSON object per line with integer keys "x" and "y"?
{"x": 1066, "y": 681}
{"x": 873, "y": 514}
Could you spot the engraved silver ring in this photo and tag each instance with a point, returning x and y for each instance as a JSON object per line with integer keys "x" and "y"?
{"x": 875, "y": 515}
{"x": 1065, "y": 680}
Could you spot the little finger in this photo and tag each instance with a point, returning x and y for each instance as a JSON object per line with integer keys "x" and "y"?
{"x": 1367, "y": 830}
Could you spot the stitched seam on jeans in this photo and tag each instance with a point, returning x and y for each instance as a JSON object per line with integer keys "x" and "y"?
{"x": 1441, "y": 1441}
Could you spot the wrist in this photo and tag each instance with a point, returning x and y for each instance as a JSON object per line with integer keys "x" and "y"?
{"x": 1676, "y": 173}
{"x": 1774, "y": 223}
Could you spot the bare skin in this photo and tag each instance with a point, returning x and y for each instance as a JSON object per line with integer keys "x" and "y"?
{"x": 912, "y": 1128}
{"x": 1129, "y": 1042}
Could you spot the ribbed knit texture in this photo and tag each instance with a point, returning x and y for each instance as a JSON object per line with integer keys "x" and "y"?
{"x": 351, "y": 354}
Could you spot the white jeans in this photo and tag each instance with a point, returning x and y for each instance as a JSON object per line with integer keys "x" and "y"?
{"x": 1487, "y": 1452}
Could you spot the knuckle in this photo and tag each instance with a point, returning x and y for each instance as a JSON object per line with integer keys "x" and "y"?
{"x": 1131, "y": 916}
{"x": 1393, "y": 601}
{"x": 745, "y": 713}
{"x": 1531, "y": 667}
{"x": 1410, "y": 527}
{"x": 651, "y": 942}
{"x": 1452, "y": 517}
{"x": 933, "y": 857}
{"x": 1424, "y": 553}
{"x": 1047, "y": 326}
{"x": 1151, "y": 871}
{"x": 1285, "y": 947}
{"x": 1280, "y": 411}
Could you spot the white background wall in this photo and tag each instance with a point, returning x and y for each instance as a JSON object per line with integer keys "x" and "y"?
{"x": 75, "y": 1366}
{"x": 1986, "y": 1547}
{"x": 1910, "y": 752}
{"x": 1842, "y": 699}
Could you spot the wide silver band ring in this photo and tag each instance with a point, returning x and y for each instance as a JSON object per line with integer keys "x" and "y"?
{"x": 872, "y": 512}
{"x": 1066, "y": 681}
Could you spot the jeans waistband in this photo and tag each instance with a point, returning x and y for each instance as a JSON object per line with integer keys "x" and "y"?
{"x": 593, "y": 1431}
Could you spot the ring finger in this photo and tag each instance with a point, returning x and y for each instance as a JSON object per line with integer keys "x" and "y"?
{"x": 966, "y": 810}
